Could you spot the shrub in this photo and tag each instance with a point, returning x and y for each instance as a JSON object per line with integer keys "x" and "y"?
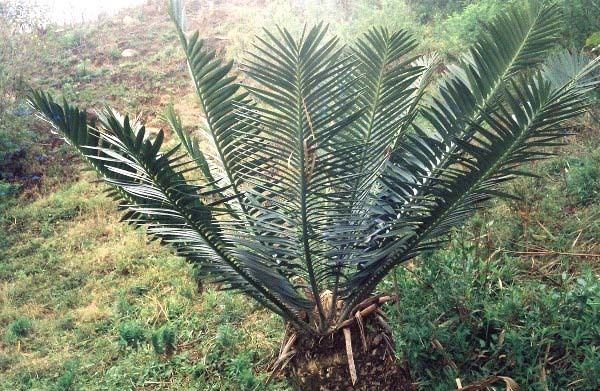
{"x": 65, "y": 381}
{"x": 429, "y": 10}
{"x": 15, "y": 141}
{"x": 19, "y": 329}
{"x": 583, "y": 179}
{"x": 484, "y": 318}
{"x": 581, "y": 19}
{"x": 461, "y": 29}
{"x": 7, "y": 190}
{"x": 593, "y": 41}
{"x": 163, "y": 341}
{"x": 72, "y": 39}
{"x": 132, "y": 334}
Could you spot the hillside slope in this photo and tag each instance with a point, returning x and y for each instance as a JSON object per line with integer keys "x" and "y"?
{"x": 88, "y": 303}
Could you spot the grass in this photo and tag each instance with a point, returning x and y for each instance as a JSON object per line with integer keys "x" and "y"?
{"x": 87, "y": 303}
{"x": 82, "y": 292}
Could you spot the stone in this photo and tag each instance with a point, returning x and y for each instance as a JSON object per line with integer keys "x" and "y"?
{"x": 129, "y": 21}
{"x": 129, "y": 53}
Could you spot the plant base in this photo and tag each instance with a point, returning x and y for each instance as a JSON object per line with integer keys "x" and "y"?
{"x": 323, "y": 364}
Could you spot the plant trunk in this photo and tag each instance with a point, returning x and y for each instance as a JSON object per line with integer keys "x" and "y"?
{"x": 323, "y": 364}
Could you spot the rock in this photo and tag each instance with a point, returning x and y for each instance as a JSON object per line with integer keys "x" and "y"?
{"x": 129, "y": 53}
{"x": 129, "y": 21}
{"x": 152, "y": 131}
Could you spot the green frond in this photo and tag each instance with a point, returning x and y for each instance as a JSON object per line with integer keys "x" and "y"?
{"x": 298, "y": 155}
{"x": 158, "y": 198}
{"x": 563, "y": 67}
{"x": 218, "y": 94}
{"x": 533, "y": 118}
{"x": 388, "y": 88}
{"x": 190, "y": 143}
{"x": 515, "y": 42}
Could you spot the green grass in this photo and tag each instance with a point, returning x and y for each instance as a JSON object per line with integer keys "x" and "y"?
{"x": 82, "y": 297}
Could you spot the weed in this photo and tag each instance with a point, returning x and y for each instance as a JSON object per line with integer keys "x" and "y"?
{"x": 114, "y": 53}
{"x": 163, "y": 341}
{"x": 6, "y": 361}
{"x": 485, "y": 318}
{"x": 124, "y": 307}
{"x": 593, "y": 41}
{"x": 72, "y": 39}
{"x": 85, "y": 71}
{"x": 240, "y": 369}
{"x": 583, "y": 178}
{"x": 132, "y": 334}
{"x": 66, "y": 380}
{"x": 7, "y": 190}
{"x": 226, "y": 338}
{"x": 19, "y": 329}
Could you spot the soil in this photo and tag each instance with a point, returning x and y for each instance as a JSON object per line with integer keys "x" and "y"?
{"x": 323, "y": 364}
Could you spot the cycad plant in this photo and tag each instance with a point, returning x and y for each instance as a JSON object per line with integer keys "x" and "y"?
{"x": 331, "y": 166}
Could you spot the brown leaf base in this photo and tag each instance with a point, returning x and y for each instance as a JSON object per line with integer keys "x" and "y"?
{"x": 323, "y": 364}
